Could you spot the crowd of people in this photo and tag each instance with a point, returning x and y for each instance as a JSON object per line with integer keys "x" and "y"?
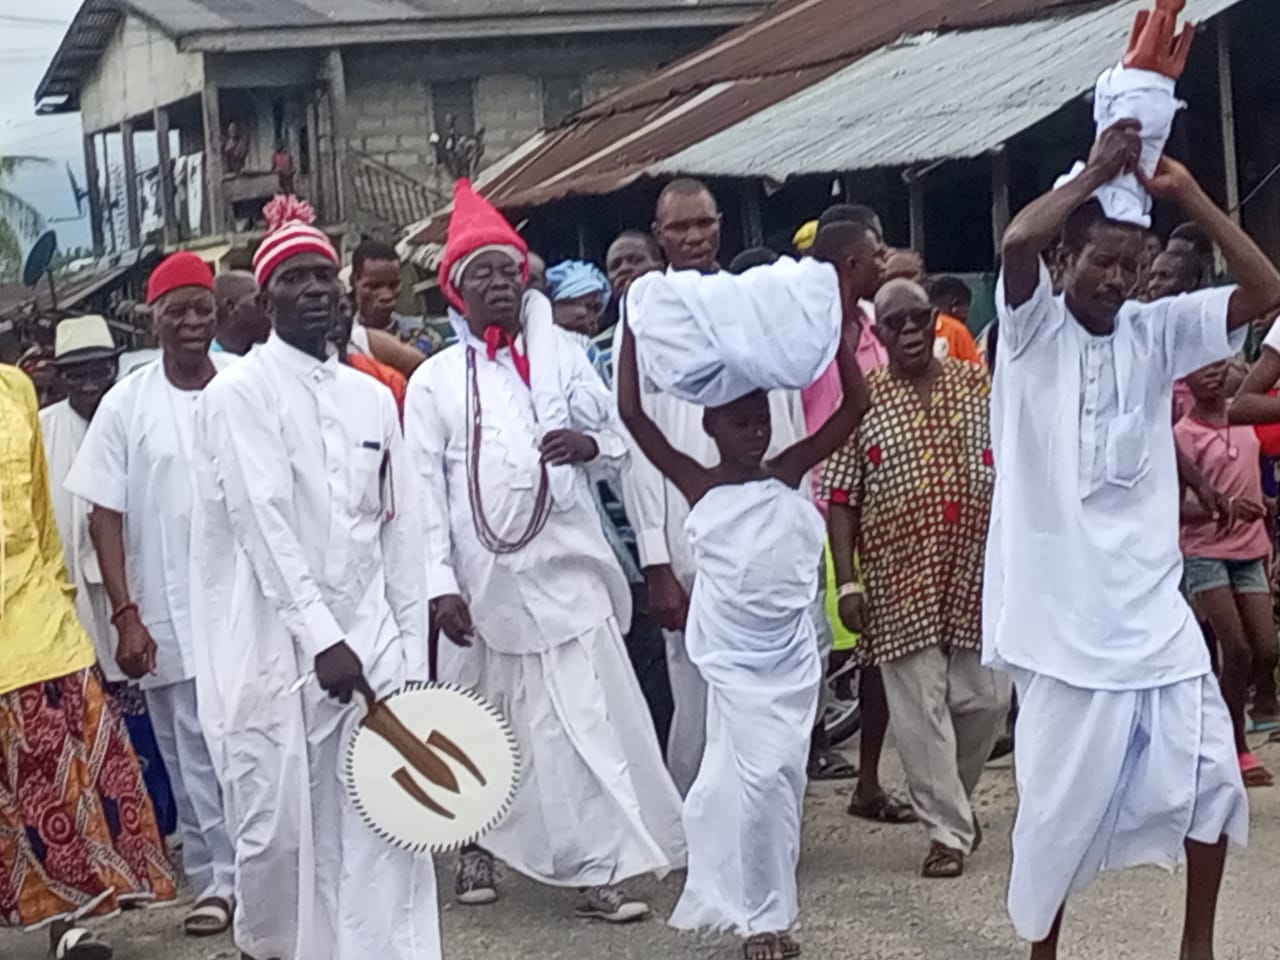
{"x": 205, "y": 558}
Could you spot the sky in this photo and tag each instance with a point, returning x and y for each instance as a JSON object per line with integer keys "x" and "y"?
{"x": 29, "y": 35}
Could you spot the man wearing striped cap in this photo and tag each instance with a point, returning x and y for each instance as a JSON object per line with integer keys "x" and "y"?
{"x": 310, "y": 586}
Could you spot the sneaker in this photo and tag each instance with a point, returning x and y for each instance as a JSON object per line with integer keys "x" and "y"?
{"x": 473, "y": 885}
{"x": 612, "y": 905}
{"x": 69, "y": 942}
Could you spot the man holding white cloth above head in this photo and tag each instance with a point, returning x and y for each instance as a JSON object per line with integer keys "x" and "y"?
{"x": 1125, "y": 753}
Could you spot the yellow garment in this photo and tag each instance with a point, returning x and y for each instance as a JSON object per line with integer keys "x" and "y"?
{"x": 804, "y": 239}
{"x": 844, "y": 638}
{"x": 40, "y": 637}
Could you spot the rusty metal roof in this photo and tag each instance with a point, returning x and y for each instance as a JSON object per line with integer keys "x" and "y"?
{"x": 925, "y": 97}
{"x": 786, "y": 50}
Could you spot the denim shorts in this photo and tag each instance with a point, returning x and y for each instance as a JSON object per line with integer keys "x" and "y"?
{"x": 1242, "y": 576}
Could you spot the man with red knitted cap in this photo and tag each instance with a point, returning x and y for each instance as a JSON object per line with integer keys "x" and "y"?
{"x": 134, "y": 467}
{"x": 309, "y": 574}
{"x": 508, "y": 430}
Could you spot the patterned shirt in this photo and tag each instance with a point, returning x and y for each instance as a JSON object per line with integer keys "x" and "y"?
{"x": 922, "y": 481}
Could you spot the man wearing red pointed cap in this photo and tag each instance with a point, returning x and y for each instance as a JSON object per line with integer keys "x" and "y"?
{"x": 134, "y": 467}
{"x": 309, "y": 575}
{"x": 507, "y": 430}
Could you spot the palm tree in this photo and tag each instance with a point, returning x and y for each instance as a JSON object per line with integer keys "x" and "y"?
{"x": 19, "y": 220}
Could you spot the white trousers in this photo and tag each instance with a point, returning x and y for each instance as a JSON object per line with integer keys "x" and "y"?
{"x": 207, "y": 856}
{"x": 314, "y": 882}
{"x": 1115, "y": 779}
{"x": 947, "y": 710}
{"x": 595, "y": 806}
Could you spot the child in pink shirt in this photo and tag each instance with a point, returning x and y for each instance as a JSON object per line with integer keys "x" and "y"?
{"x": 1226, "y": 563}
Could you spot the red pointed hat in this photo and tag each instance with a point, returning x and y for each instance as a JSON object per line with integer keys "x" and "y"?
{"x": 475, "y": 226}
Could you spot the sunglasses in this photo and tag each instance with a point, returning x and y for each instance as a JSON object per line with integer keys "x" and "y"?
{"x": 88, "y": 372}
{"x": 921, "y": 319}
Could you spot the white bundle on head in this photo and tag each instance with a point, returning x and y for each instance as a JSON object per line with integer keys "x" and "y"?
{"x": 710, "y": 339}
{"x": 1128, "y": 93}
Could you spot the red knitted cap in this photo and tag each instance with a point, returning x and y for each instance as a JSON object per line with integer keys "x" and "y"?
{"x": 290, "y": 231}
{"x": 475, "y": 223}
{"x": 183, "y": 269}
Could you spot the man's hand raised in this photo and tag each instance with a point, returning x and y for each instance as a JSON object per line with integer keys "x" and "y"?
{"x": 1118, "y": 149}
{"x": 1171, "y": 181}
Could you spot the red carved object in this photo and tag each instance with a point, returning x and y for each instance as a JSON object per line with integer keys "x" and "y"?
{"x": 1156, "y": 45}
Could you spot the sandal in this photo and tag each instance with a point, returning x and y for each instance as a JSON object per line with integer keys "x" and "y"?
{"x": 790, "y": 947}
{"x": 942, "y": 863}
{"x": 883, "y": 808}
{"x": 829, "y": 765}
{"x": 208, "y": 918}
{"x": 69, "y": 942}
{"x": 763, "y": 946}
{"x": 1254, "y": 773}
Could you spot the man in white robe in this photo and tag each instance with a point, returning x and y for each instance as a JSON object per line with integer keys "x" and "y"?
{"x": 307, "y": 557}
{"x": 687, "y": 227}
{"x": 508, "y": 429}
{"x": 1125, "y": 753}
{"x": 134, "y": 467}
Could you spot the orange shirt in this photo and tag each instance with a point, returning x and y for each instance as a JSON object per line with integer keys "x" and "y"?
{"x": 390, "y": 376}
{"x": 960, "y": 342}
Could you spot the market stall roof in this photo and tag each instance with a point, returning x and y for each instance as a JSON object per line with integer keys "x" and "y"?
{"x": 818, "y": 86}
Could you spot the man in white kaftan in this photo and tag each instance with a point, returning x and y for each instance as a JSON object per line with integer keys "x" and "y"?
{"x": 134, "y": 467}
{"x": 307, "y": 558}
{"x": 511, "y": 444}
{"x": 1125, "y": 753}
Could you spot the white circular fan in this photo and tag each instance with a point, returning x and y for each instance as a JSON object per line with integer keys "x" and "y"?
{"x": 433, "y": 767}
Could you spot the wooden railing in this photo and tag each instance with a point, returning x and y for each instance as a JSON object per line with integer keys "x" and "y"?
{"x": 389, "y": 197}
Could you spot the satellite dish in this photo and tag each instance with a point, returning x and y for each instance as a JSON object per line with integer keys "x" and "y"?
{"x": 39, "y": 263}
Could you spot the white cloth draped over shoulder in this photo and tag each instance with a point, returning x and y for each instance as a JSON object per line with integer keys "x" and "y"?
{"x": 712, "y": 338}
{"x": 1125, "y": 93}
{"x": 64, "y": 431}
{"x": 756, "y": 548}
{"x": 306, "y": 533}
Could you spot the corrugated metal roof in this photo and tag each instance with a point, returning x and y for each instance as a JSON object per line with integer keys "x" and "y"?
{"x": 927, "y": 97}
{"x": 784, "y": 51}
{"x": 799, "y": 58}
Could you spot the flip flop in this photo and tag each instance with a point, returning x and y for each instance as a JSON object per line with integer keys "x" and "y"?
{"x": 208, "y": 918}
{"x": 1254, "y": 773}
{"x": 885, "y": 808}
{"x": 829, "y": 765}
{"x": 77, "y": 943}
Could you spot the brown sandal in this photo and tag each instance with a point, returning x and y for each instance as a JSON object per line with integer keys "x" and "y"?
{"x": 943, "y": 863}
{"x": 764, "y": 946}
{"x": 790, "y": 947}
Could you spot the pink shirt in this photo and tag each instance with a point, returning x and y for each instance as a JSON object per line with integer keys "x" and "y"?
{"x": 1210, "y": 446}
{"x": 822, "y": 398}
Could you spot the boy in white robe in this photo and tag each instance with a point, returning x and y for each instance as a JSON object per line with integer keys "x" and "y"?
{"x": 757, "y": 540}
{"x": 1124, "y": 745}
{"x": 134, "y": 467}
{"x": 507, "y": 430}
{"x": 307, "y": 559}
